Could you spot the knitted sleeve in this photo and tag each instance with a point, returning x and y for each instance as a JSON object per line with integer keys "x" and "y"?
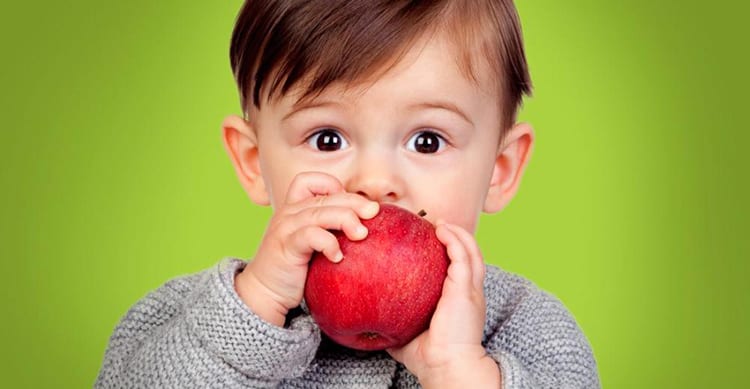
{"x": 538, "y": 343}
{"x": 194, "y": 331}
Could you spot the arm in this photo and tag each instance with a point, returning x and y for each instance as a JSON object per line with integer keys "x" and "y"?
{"x": 495, "y": 330}
{"x": 449, "y": 354}
{"x": 196, "y": 332}
{"x": 230, "y": 326}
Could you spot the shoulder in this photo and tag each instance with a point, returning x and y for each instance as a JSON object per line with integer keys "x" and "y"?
{"x": 511, "y": 296}
{"x": 504, "y": 289}
{"x": 179, "y": 288}
{"x": 533, "y": 327}
{"x": 175, "y": 296}
{"x": 182, "y": 286}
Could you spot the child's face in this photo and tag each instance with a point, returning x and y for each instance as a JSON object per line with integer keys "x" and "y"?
{"x": 422, "y": 136}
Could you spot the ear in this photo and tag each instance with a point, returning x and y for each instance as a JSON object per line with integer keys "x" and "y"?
{"x": 513, "y": 154}
{"x": 241, "y": 143}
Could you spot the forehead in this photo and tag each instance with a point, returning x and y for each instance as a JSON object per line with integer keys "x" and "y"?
{"x": 433, "y": 64}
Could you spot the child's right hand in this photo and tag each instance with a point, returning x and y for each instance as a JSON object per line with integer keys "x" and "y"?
{"x": 274, "y": 281}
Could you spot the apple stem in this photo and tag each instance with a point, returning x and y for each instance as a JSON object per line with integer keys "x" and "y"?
{"x": 422, "y": 213}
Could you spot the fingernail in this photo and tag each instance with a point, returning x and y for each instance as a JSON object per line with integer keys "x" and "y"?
{"x": 339, "y": 257}
{"x": 361, "y": 232}
{"x": 371, "y": 209}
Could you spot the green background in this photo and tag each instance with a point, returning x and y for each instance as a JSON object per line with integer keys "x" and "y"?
{"x": 633, "y": 210}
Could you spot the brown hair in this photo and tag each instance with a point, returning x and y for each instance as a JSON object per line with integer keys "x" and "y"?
{"x": 277, "y": 44}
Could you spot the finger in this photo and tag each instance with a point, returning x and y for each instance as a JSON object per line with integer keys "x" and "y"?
{"x": 459, "y": 270}
{"x": 405, "y": 354}
{"x": 397, "y": 354}
{"x": 308, "y": 239}
{"x": 475, "y": 256}
{"x": 334, "y": 218}
{"x": 310, "y": 184}
{"x": 364, "y": 208}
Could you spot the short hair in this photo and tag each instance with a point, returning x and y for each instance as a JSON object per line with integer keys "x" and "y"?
{"x": 280, "y": 44}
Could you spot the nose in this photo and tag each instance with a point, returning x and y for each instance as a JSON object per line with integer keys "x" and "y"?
{"x": 377, "y": 178}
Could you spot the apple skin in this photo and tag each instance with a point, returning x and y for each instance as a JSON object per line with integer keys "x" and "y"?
{"x": 385, "y": 290}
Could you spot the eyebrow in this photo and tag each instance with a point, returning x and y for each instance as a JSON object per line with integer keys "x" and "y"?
{"x": 437, "y": 104}
{"x": 309, "y": 104}
{"x": 444, "y": 105}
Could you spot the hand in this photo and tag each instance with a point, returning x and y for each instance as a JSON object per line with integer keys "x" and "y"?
{"x": 450, "y": 352}
{"x": 273, "y": 282}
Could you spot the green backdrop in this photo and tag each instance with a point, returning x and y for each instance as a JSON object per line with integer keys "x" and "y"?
{"x": 633, "y": 209}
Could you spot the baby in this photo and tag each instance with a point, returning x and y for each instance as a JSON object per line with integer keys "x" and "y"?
{"x": 349, "y": 104}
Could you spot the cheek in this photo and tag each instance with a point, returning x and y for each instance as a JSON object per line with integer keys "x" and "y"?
{"x": 454, "y": 197}
{"x": 277, "y": 178}
{"x": 463, "y": 211}
{"x": 467, "y": 193}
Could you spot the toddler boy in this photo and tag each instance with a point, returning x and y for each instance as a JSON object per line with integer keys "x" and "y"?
{"x": 347, "y": 105}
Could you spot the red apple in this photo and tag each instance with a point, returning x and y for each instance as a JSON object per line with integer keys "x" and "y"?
{"x": 385, "y": 290}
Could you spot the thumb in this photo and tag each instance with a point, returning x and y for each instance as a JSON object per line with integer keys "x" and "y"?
{"x": 396, "y": 353}
{"x": 407, "y": 353}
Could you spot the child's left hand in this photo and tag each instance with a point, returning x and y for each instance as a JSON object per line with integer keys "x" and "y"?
{"x": 450, "y": 352}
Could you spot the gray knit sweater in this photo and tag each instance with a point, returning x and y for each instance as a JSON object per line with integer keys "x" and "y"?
{"x": 195, "y": 332}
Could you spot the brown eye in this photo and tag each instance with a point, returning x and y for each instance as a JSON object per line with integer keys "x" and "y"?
{"x": 327, "y": 140}
{"x": 426, "y": 142}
